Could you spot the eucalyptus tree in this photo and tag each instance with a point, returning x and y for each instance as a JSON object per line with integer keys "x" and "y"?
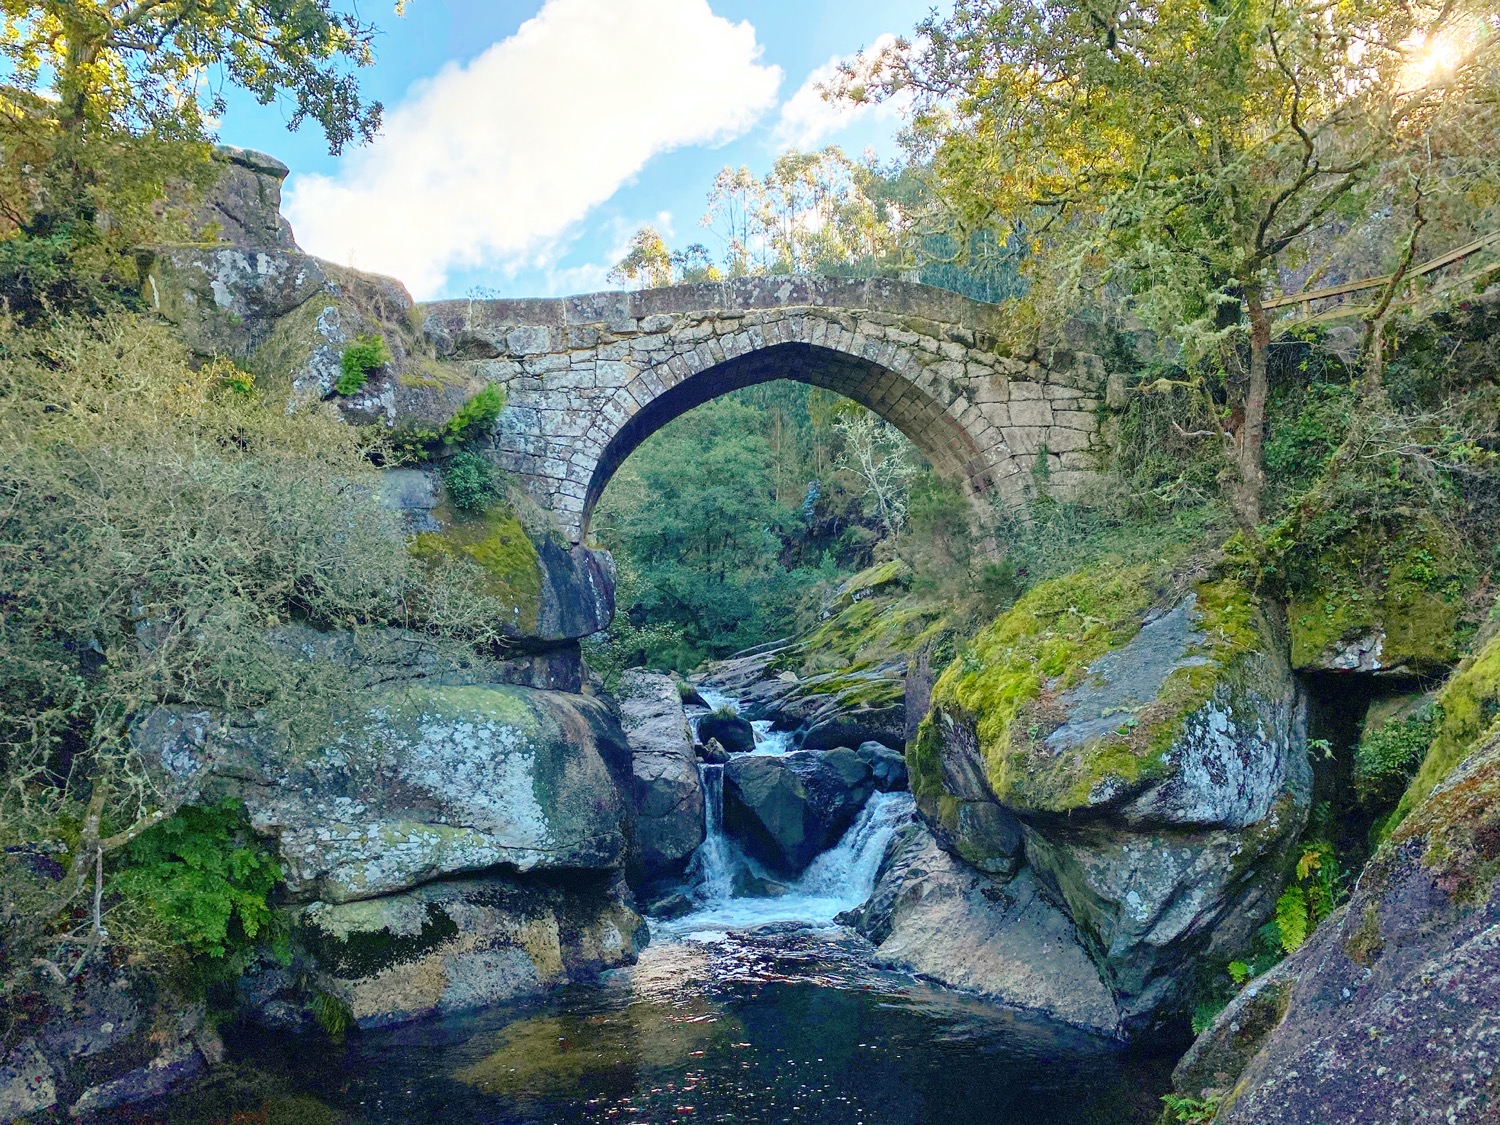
{"x": 1187, "y": 148}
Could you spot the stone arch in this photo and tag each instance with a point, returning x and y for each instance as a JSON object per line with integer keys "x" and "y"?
{"x": 590, "y": 377}
{"x": 891, "y": 394}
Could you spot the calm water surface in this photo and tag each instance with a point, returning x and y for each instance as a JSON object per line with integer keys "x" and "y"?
{"x": 784, "y": 1024}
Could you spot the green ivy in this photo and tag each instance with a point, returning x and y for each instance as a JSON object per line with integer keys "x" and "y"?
{"x": 204, "y": 877}
{"x": 475, "y": 417}
{"x": 363, "y": 356}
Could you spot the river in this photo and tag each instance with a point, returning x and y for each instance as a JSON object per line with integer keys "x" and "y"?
{"x": 746, "y": 1009}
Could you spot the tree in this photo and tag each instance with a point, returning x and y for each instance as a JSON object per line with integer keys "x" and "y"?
{"x": 110, "y": 104}
{"x": 1182, "y": 150}
{"x": 651, "y": 264}
{"x": 880, "y": 456}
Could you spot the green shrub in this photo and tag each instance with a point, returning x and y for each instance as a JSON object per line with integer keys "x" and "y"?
{"x": 363, "y": 356}
{"x": 475, "y": 417}
{"x": 1388, "y": 756}
{"x": 203, "y": 879}
{"x": 331, "y": 1014}
{"x": 472, "y": 480}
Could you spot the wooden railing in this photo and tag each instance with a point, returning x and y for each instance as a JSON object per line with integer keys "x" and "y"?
{"x": 1306, "y": 299}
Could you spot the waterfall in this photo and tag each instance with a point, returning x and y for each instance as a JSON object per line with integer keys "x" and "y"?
{"x": 840, "y": 879}
{"x": 846, "y": 872}
{"x": 710, "y": 871}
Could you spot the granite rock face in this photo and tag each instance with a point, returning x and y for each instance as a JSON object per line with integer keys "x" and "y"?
{"x": 788, "y": 809}
{"x": 1138, "y": 744}
{"x": 249, "y": 293}
{"x": 937, "y": 917}
{"x": 450, "y": 946}
{"x": 665, "y": 786}
{"x": 444, "y": 780}
{"x": 1391, "y": 1011}
{"x": 467, "y": 778}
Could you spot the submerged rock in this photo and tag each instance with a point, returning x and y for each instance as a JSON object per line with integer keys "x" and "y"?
{"x": 450, "y": 946}
{"x": 785, "y": 810}
{"x": 665, "y": 788}
{"x": 1141, "y": 742}
{"x": 1391, "y": 1010}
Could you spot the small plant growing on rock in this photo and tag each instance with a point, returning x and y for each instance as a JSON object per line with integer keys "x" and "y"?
{"x": 1178, "y": 1110}
{"x": 363, "y": 356}
{"x": 472, "y": 480}
{"x": 474, "y": 417}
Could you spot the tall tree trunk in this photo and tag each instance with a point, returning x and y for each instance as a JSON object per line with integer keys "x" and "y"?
{"x": 1247, "y": 493}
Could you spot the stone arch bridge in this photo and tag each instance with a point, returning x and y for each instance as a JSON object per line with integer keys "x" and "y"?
{"x": 591, "y": 377}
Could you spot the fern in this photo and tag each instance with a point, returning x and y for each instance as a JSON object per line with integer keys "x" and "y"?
{"x": 363, "y": 356}
{"x": 474, "y": 417}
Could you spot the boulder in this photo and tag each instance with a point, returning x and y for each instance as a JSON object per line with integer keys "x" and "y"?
{"x": 731, "y": 731}
{"x": 939, "y": 918}
{"x": 666, "y": 791}
{"x": 785, "y": 810}
{"x": 444, "y": 780}
{"x": 1391, "y": 1010}
{"x": 887, "y": 767}
{"x": 1380, "y": 604}
{"x": 28, "y": 1084}
{"x": 713, "y": 754}
{"x": 451, "y": 946}
{"x": 1139, "y": 737}
{"x": 853, "y": 726}
{"x": 552, "y": 595}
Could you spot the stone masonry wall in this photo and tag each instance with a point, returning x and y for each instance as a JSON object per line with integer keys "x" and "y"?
{"x": 589, "y": 378}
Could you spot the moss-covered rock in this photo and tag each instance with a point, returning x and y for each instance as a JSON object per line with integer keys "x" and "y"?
{"x": 498, "y": 543}
{"x": 1143, "y": 729}
{"x": 1369, "y": 602}
{"x": 1387, "y": 1013}
{"x": 1469, "y": 707}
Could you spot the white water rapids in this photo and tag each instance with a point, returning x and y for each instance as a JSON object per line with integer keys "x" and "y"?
{"x": 839, "y": 879}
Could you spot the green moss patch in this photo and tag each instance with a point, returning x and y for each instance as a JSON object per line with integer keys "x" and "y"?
{"x": 1408, "y": 588}
{"x": 365, "y": 953}
{"x": 1460, "y": 825}
{"x": 1009, "y": 682}
{"x": 1470, "y": 709}
{"x": 495, "y": 540}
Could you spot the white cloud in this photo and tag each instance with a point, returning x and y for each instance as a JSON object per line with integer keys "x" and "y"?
{"x": 807, "y": 119}
{"x": 487, "y": 164}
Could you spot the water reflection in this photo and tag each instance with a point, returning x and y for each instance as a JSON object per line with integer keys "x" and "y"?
{"x": 785, "y": 1024}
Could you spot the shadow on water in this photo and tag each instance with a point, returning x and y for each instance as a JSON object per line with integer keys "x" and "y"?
{"x": 783, "y": 1024}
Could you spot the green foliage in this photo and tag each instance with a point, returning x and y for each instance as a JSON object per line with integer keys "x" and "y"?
{"x": 159, "y": 533}
{"x": 332, "y": 1014}
{"x": 1314, "y": 891}
{"x": 1178, "y": 1110}
{"x": 1389, "y": 755}
{"x": 364, "y": 355}
{"x": 476, "y": 417}
{"x": 203, "y": 879}
{"x": 472, "y": 480}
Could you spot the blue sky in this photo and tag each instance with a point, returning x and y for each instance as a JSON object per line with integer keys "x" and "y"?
{"x": 527, "y": 140}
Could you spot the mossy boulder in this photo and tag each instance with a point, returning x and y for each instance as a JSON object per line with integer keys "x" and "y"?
{"x": 552, "y": 594}
{"x": 1389, "y": 1011}
{"x": 450, "y": 946}
{"x": 1140, "y": 730}
{"x": 448, "y": 779}
{"x": 1391, "y": 605}
{"x": 1468, "y": 708}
